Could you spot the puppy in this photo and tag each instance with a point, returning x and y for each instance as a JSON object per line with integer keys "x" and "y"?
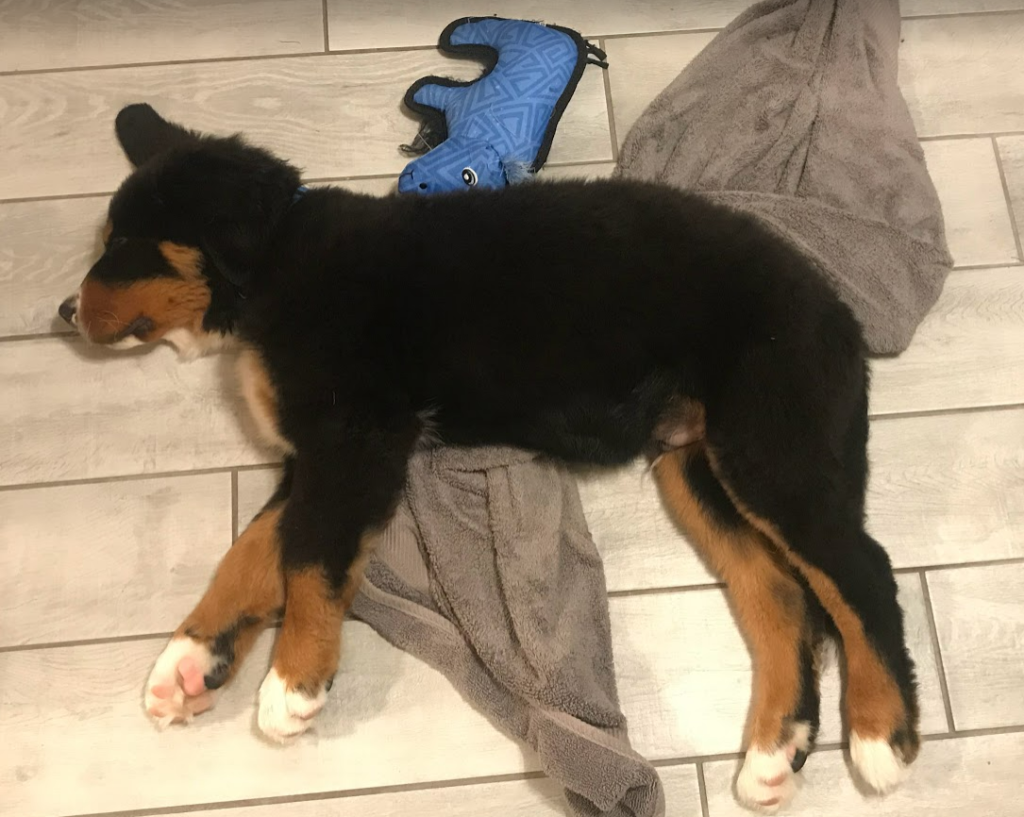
{"x": 592, "y": 322}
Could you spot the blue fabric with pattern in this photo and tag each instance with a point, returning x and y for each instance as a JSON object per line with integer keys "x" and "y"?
{"x": 498, "y": 128}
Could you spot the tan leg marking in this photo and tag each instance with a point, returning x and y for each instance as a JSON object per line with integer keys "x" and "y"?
{"x": 768, "y": 602}
{"x": 874, "y": 704}
{"x": 247, "y": 590}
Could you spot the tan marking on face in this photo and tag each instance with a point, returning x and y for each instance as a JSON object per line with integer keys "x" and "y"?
{"x": 766, "y": 598}
{"x": 187, "y": 261}
{"x": 261, "y": 398}
{"x": 106, "y": 312}
{"x": 874, "y": 704}
{"x": 108, "y": 228}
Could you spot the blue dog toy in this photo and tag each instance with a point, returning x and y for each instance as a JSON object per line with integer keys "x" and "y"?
{"x": 498, "y": 128}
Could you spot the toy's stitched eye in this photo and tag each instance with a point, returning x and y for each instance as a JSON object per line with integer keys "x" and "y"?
{"x": 469, "y": 176}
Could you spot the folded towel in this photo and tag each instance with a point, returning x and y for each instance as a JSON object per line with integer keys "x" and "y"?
{"x": 488, "y": 573}
{"x": 793, "y": 114}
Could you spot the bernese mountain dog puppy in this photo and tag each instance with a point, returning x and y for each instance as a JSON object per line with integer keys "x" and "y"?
{"x": 593, "y": 322}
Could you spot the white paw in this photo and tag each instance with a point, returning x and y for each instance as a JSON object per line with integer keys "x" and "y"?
{"x": 877, "y": 763}
{"x": 175, "y": 691}
{"x": 285, "y": 713}
{"x": 766, "y": 781}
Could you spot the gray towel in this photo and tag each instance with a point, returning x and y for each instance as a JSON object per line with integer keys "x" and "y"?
{"x": 488, "y": 573}
{"x": 793, "y": 114}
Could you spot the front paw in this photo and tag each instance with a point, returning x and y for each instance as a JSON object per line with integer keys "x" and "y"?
{"x": 285, "y": 711}
{"x": 176, "y": 690}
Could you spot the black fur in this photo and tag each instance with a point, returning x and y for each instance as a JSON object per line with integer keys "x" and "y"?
{"x": 562, "y": 317}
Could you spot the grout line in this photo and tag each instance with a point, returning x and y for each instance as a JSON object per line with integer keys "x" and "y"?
{"x": 981, "y": 267}
{"x": 234, "y": 505}
{"x": 83, "y": 642}
{"x": 612, "y": 136}
{"x": 327, "y": 36}
{"x": 702, "y": 790}
{"x": 984, "y": 732}
{"x": 220, "y": 60}
{"x": 666, "y": 32}
{"x": 938, "y": 137}
{"x": 654, "y": 591}
{"x": 903, "y": 415}
{"x": 191, "y": 472}
{"x": 976, "y": 13}
{"x": 1009, "y": 200}
{"x": 343, "y": 794}
{"x": 56, "y": 197}
{"x": 37, "y": 336}
{"x": 1010, "y": 560}
{"x": 934, "y": 631}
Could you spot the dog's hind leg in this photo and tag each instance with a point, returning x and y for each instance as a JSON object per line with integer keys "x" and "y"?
{"x": 771, "y": 606}
{"x": 246, "y": 594}
{"x": 797, "y": 471}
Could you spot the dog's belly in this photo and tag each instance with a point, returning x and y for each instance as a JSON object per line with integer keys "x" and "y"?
{"x": 261, "y": 399}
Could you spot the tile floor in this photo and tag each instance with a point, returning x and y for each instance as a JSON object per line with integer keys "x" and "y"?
{"x": 123, "y": 478}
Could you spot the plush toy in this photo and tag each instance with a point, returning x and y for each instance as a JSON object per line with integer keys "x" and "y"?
{"x": 496, "y": 129}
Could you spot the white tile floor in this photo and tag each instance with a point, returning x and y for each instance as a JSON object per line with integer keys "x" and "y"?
{"x": 121, "y": 479}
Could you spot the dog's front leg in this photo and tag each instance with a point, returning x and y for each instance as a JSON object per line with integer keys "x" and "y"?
{"x": 344, "y": 492}
{"x": 246, "y": 593}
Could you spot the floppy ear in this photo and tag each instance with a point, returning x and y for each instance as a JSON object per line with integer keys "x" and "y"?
{"x": 143, "y": 133}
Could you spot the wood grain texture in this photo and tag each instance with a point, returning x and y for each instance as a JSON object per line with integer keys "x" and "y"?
{"x": 1011, "y": 152}
{"x": 72, "y": 716}
{"x": 980, "y": 622}
{"x": 46, "y": 247}
{"x": 371, "y": 25}
{"x": 539, "y": 797}
{"x": 951, "y": 778}
{"x": 964, "y": 74}
{"x": 73, "y": 412}
{"x": 108, "y": 559}
{"x": 332, "y": 115}
{"x": 76, "y": 739}
{"x": 948, "y": 488}
{"x": 684, "y": 673}
{"x": 968, "y": 351}
{"x": 67, "y": 33}
{"x": 978, "y": 226}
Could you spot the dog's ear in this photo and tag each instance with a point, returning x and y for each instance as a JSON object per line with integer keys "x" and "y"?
{"x": 233, "y": 247}
{"x": 143, "y": 133}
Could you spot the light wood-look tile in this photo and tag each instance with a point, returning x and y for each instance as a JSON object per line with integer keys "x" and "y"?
{"x": 46, "y": 247}
{"x": 76, "y": 739}
{"x": 684, "y": 673}
{"x": 73, "y": 715}
{"x": 67, "y": 33}
{"x": 948, "y": 488}
{"x": 980, "y": 622}
{"x": 951, "y": 778}
{"x": 978, "y": 226}
{"x": 74, "y": 412}
{"x": 333, "y": 115}
{"x": 964, "y": 74}
{"x": 968, "y": 351}
{"x": 358, "y": 25}
{"x": 1011, "y": 152}
{"x": 537, "y": 797}
{"x": 108, "y": 559}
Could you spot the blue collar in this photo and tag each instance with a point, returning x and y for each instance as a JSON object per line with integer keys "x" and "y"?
{"x": 300, "y": 191}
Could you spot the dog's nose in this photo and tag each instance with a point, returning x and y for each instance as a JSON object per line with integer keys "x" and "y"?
{"x": 68, "y": 309}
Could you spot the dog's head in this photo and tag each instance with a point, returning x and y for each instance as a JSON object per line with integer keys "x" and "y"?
{"x": 184, "y": 236}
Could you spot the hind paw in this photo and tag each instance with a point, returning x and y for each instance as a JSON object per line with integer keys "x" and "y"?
{"x": 879, "y": 764}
